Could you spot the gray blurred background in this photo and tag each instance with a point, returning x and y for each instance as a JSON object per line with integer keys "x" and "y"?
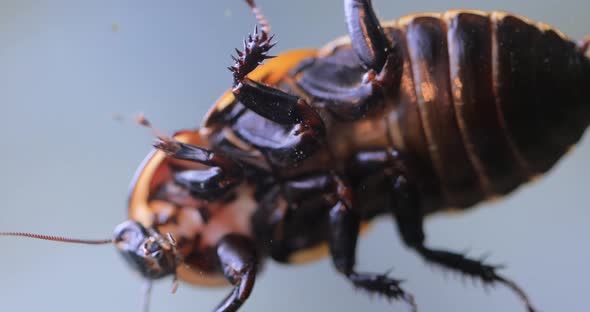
{"x": 67, "y": 66}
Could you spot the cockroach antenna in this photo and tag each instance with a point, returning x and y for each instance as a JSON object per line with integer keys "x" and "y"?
{"x": 256, "y": 47}
{"x": 167, "y": 242}
{"x": 163, "y": 142}
{"x": 262, "y": 20}
{"x": 59, "y": 238}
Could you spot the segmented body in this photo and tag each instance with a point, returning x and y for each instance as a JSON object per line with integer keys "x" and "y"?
{"x": 486, "y": 101}
{"x": 483, "y": 103}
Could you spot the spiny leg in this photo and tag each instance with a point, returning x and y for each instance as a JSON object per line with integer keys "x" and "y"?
{"x": 307, "y": 128}
{"x": 406, "y": 208}
{"x": 206, "y": 183}
{"x": 344, "y": 223}
{"x": 267, "y": 101}
{"x": 410, "y": 224}
{"x": 238, "y": 258}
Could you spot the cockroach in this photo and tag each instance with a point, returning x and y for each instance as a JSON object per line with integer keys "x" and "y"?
{"x": 428, "y": 113}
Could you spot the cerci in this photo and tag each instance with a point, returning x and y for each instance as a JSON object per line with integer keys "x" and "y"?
{"x": 424, "y": 114}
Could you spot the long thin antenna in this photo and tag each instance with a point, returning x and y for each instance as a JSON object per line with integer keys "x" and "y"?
{"x": 59, "y": 239}
{"x": 262, "y": 21}
{"x": 164, "y": 142}
{"x": 141, "y": 120}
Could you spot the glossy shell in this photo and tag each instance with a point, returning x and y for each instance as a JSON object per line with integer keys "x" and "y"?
{"x": 486, "y": 102}
{"x": 460, "y": 114}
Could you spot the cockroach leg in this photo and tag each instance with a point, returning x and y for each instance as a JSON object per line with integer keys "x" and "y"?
{"x": 379, "y": 60}
{"x": 279, "y": 107}
{"x": 410, "y": 224}
{"x": 306, "y": 127}
{"x": 303, "y": 130}
{"x": 284, "y": 205}
{"x": 344, "y": 222}
{"x": 346, "y": 102}
{"x": 238, "y": 258}
{"x": 224, "y": 174}
{"x": 256, "y": 48}
{"x": 273, "y": 104}
{"x": 409, "y": 217}
{"x": 366, "y": 33}
{"x": 282, "y": 145}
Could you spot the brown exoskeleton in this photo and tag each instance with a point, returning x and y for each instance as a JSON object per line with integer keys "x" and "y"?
{"x": 407, "y": 118}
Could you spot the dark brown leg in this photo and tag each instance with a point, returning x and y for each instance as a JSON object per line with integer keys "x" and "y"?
{"x": 410, "y": 224}
{"x": 366, "y": 33}
{"x": 349, "y": 102}
{"x": 410, "y": 219}
{"x": 267, "y": 101}
{"x": 292, "y": 216}
{"x": 380, "y": 61}
{"x": 224, "y": 174}
{"x": 344, "y": 227}
{"x": 238, "y": 258}
{"x": 305, "y": 127}
{"x": 343, "y": 223}
{"x": 284, "y": 144}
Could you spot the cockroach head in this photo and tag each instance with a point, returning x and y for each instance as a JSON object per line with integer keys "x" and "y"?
{"x": 146, "y": 250}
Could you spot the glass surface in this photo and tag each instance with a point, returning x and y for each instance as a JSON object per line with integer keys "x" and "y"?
{"x": 66, "y": 67}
